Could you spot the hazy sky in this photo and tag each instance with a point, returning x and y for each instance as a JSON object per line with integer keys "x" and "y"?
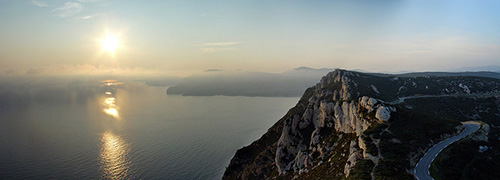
{"x": 182, "y": 37}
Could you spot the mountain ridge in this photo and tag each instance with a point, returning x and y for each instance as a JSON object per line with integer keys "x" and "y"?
{"x": 343, "y": 127}
{"x": 286, "y": 84}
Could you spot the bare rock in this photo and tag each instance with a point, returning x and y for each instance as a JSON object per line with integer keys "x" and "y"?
{"x": 383, "y": 113}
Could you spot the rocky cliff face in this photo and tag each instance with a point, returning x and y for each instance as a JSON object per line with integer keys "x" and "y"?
{"x": 327, "y": 130}
{"x": 338, "y": 109}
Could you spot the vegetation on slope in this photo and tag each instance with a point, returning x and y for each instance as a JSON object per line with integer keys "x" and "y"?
{"x": 390, "y": 88}
{"x": 463, "y": 160}
{"x": 407, "y": 133}
{"x": 410, "y": 132}
{"x": 484, "y": 109}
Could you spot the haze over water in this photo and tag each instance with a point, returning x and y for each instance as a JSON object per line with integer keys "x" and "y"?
{"x": 108, "y": 129}
{"x": 122, "y": 130}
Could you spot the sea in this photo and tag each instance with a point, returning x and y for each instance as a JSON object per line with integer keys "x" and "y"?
{"x": 125, "y": 130}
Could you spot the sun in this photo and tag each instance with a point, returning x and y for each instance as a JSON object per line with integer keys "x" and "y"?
{"x": 110, "y": 43}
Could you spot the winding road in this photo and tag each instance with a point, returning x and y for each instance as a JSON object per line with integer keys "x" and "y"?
{"x": 402, "y": 99}
{"x": 422, "y": 169}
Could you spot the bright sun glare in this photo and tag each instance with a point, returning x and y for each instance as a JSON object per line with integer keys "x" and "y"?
{"x": 110, "y": 43}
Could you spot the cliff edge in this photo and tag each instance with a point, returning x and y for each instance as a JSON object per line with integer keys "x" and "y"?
{"x": 349, "y": 126}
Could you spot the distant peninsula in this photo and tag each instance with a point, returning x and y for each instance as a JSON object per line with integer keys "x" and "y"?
{"x": 287, "y": 84}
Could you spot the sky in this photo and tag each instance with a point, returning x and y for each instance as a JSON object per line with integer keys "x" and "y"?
{"x": 179, "y": 38}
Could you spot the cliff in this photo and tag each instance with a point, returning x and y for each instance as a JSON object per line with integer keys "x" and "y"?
{"x": 354, "y": 125}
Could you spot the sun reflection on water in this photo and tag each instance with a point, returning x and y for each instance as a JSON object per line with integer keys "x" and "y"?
{"x": 114, "y": 161}
{"x": 112, "y": 111}
{"x": 113, "y": 156}
{"x": 110, "y": 106}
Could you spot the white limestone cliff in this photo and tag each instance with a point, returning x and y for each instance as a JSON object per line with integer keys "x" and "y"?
{"x": 342, "y": 112}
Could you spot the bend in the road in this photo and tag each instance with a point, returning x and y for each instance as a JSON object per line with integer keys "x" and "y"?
{"x": 422, "y": 168}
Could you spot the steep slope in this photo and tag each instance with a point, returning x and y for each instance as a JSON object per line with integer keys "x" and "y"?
{"x": 345, "y": 126}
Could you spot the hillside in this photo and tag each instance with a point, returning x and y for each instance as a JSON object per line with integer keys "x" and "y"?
{"x": 360, "y": 126}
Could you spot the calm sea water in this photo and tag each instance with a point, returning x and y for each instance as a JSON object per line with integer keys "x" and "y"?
{"x": 116, "y": 130}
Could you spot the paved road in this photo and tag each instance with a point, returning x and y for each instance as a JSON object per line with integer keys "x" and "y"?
{"x": 422, "y": 169}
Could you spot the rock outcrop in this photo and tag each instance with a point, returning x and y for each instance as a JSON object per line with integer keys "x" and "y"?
{"x": 330, "y": 105}
{"x": 301, "y": 133}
